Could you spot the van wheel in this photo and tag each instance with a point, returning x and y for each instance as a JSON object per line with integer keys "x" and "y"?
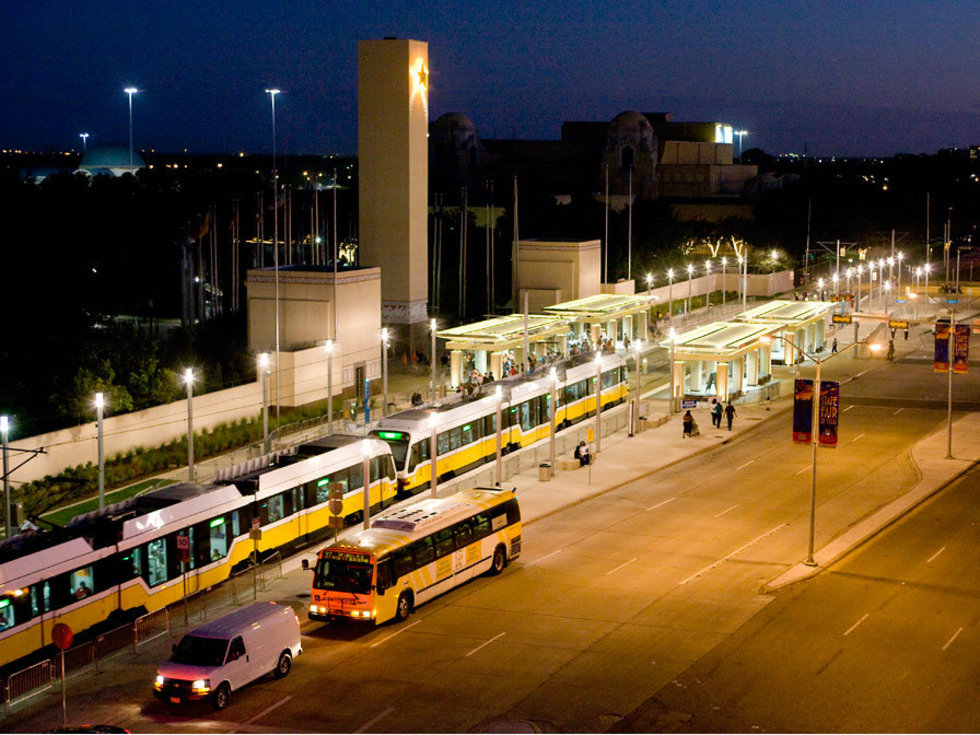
{"x": 404, "y": 608}
{"x": 221, "y": 697}
{"x": 499, "y": 560}
{"x": 284, "y": 665}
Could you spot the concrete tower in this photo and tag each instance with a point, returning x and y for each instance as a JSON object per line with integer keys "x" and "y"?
{"x": 392, "y": 147}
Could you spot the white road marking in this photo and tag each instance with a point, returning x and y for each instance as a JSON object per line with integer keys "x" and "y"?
{"x": 366, "y": 725}
{"x": 668, "y": 500}
{"x": 856, "y": 624}
{"x": 556, "y": 551}
{"x": 857, "y": 437}
{"x": 271, "y": 707}
{"x": 933, "y": 557}
{"x": 950, "y": 641}
{"x": 613, "y": 571}
{"x": 848, "y": 408}
{"x": 898, "y": 412}
{"x": 745, "y": 465}
{"x": 485, "y": 643}
{"x": 805, "y": 469}
{"x": 725, "y": 511}
{"x": 729, "y": 556}
{"x": 397, "y": 632}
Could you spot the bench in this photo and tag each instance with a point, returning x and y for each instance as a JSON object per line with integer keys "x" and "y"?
{"x": 567, "y": 465}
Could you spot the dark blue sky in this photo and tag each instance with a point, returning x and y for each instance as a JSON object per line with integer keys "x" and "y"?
{"x": 865, "y": 77}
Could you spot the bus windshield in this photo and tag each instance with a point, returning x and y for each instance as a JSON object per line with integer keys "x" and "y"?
{"x": 398, "y": 441}
{"x": 342, "y": 571}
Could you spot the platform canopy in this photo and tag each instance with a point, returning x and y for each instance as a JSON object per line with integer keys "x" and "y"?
{"x": 503, "y": 332}
{"x": 790, "y": 314}
{"x": 720, "y": 341}
{"x": 602, "y": 307}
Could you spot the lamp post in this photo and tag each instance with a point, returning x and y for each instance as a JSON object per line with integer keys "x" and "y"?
{"x": 275, "y": 237}
{"x": 820, "y": 288}
{"x": 552, "y": 416}
{"x": 130, "y": 91}
{"x": 740, "y": 134}
{"x": 670, "y": 294}
{"x": 881, "y": 281}
{"x": 264, "y": 370}
{"x": 707, "y": 287}
{"x": 724, "y": 282}
{"x": 690, "y": 276}
{"x": 329, "y": 348}
{"x": 671, "y": 336}
{"x": 99, "y": 403}
{"x": 499, "y": 394}
{"x": 649, "y": 285}
{"x": 366, "y": 476}
{"x": 886, "y": 298}
{"x": 899, "y": 256}
{"x": 384, "y": 372}
{"x": 635, "y": 413}
{"x": 925, "y": 269}
{"x": 189, "y": 382}
{"x": 857, "y": 303}
{"x": 742, "y": 276}
{"x": 4, "y": 430}
{"x": 433, "y": 469}
{"x": 918, "y": 272}
{"x": 598, "y": 403}
{"x": 432, "y": 361}
{"x": 84, "y": 137}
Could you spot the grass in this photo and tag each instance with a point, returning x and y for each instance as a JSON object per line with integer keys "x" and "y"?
{"x": 61, "y": 516}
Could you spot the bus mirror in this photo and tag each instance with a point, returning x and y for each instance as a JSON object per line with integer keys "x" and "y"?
{"x": 306, "y": 564}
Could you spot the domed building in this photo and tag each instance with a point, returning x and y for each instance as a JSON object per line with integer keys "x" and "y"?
{"x": 456, "y": 156}
{"x": 110, "y": 160}
{"x": 631, "y": 149}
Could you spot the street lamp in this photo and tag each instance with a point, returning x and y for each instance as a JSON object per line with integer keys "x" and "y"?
{"x": 899, "y": 256}
{"x": 329, "y": 349}
{"x": 724, "y": 282}
{"x": 499, "y": 395}
{"x": 886, "y": 298}
{"x": 773, "y": 254}
{"x": 275, "y": 237}
{"x": 433, "y": 469}
{"x": 649, "y": 285}
{"x": 707, "y": 287}
{"x": 690, "y": 276}
{"x": 836, "y": 281}
{"x": 432, "y": 360}
{"x": 189, "y": 382}
{"x": 820, "y": 288}
{"x": 670, "y": 294}
{"x": 671, "y": 337}
{"x": 84, "y": 137}
{"x": 857, "y": 303}
{"x": 130, "y": 91}
{"x": 384, "y": 372}
{"x": 743, "y": 272}
{"x": 552, "y": 416}
{"x": 635, "y": 413}
{"x": 264, "y": 370}
{"x": 740, "y": 134}
{"x": 4, "y": 430}
{"x": 598, "y": 402}
{"x": 99, "y": 403}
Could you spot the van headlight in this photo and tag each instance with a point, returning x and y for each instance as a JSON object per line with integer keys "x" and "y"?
{"x": 158, "y": 682}
{"x": 201, "y": 686}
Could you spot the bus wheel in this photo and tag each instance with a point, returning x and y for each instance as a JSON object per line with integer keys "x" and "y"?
{"x": 284, "y": 665}
{"x": 404, "y": 607}
{"x": 499, "y": 560}
{"x": 221, "y": 696}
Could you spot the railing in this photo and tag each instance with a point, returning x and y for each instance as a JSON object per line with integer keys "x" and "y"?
{"x": 28, "y": 682}
{"x": 151, "y": 626}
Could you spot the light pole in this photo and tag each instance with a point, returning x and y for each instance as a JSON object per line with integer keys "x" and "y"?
{"x": 740, "y": 134}
{"x": 635, "y": 413}
{"x": 820, "y": 288}
{"x": 857, "y": 303}
{"x": 670, "y": 294}
{"x": 773, "y": 254}
{"x": 836, "y": 281}
{"x": 329, "y": 348}
{"x": 899, "y": 256}
{"x": 264, "y": 370}
{"x": 275, "y": 237}
{"x": 886, "y": 298}
{"x": 671, "y": 336}
{"x": 130, "y": 91}
{"x": 4, "y": 430}
{"x": 433, "y": 468}
{"x": 366, "y": 473}
{"x": 432, "y": 361}
{"x": 552, "y": 416}
{"x": 99, "y": 403}
{"x": 598, "y": 403}
{"x": 84, "y": 137}
{"x": 384, "y": 372}
{"x": 724, "y": 282}
{"x": 925, "y": 269}
{"x": 707, "y": 287}
{"x": 690, "y": 276}
{"x": 881, "y": 281}
{"x": 649, "y": 285}
{"x": 189, "y": 382}
{"x": 499, "y": 394}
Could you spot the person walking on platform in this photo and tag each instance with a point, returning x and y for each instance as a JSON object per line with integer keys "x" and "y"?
{"x": 716, "y": 413}
{"x": 688, "y": 420}
{"x": 729, "y": 414}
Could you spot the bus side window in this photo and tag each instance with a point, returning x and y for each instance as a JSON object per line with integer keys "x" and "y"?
{"x": 424, "y": 552}
{"x": 444, "y": 542}
{"x": 513, "y": 511}
{"x": 481, "y": 526}
{"x": 401, "y": 563}
{"x": 385, "y": 578}
{"x": 464, "y": 533}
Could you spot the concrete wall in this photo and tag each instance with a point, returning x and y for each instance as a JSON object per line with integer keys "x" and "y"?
{"x": 567, "y": 270}
{"x": 757, "y": 284}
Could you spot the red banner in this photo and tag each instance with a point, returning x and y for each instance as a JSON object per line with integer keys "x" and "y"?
{"x": 961, "y": 348}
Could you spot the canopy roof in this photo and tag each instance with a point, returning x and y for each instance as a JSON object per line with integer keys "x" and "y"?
{"x": 503, "y": 332}
{"x": 786, "y": 313}
{"x": 602, "y": 307}
{"x": 720, "y": 341}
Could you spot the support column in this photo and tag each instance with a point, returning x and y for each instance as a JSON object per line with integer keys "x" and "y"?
{"x": 455, "y": 368}
{"x": 739, "y": 365}
{"x": 765, "y": 355}
{"x": 821, "y": 332}
{"x": 628, "y": 327}
{"x": 480, "y": 360}
{"x": 611, "y": 330}
{"x": 753, "y": 366}
{"x": 697, "y": 375}
{"x": 595, "y": 332}
{"x": 497, "y": 365}
{"x": 643, "y": 325}
{"x": 722, "y": 380}
{"x": 563, "y": 345}
{"x": 678, "y": 378}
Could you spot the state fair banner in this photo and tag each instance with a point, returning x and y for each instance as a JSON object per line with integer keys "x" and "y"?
{"x": 961, "y": 348}
{"x": 941, "y": 359}
{"x": 802, "y": 411}
{"x": 829, "y": 412}
{"x": 828, "y": 415}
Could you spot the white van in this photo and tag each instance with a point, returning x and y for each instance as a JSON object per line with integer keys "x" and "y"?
{"x": 225, "y": 654}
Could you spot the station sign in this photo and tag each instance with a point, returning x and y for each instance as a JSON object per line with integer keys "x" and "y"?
{"x": 827, "y": 416}
{"x": 688, "y": 403}
{"x": 898, "y": 323}
{"x": 841, "y": 318}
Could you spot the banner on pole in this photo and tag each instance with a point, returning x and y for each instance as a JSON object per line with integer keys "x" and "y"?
{"x": 940, "y": 363}
{"x": 961, "y": 348}
{"x": 828, "y": 414}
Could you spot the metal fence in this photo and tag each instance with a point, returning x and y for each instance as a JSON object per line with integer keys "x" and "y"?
{"x": 28, "y": 683}
{"x": 151, "y": 626}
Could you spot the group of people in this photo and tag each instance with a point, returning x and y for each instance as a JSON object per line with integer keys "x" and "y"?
{"x": 718, "y": 411}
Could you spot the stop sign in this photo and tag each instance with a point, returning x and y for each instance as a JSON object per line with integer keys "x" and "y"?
{"x": 336, "y": 498}
{"x": 62, "y": 636}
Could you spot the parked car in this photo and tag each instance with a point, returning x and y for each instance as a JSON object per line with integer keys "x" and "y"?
{"x": 223, "y": 655}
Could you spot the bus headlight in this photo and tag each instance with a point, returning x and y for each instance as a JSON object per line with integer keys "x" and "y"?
{"x": 201, "y": 686}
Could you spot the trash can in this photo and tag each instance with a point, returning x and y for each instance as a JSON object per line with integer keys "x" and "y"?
{"x": 641, "y": 424}
{"x": 544, "y": 472}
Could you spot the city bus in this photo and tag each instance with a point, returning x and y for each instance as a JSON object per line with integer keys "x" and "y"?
{"x": 414, "y": 553}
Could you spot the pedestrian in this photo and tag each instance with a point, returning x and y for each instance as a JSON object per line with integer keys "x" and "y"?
{"x": 582, "y": 454}
{"x": 833, "y": 346}
{"x": 729, "y": 414}
{"x": 891, "y": 350}
{"x": 688, "y": 420}
{"x": 716, "y": 411}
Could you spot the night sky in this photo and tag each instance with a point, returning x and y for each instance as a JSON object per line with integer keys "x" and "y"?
{"x": 843, "y": 77}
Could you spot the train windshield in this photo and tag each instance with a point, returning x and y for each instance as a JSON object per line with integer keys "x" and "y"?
{"x": 343, "y": 571}
{"x": 398, "y": 441}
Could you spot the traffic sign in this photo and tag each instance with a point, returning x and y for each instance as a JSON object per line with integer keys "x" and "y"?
{"x": 62, "y": 636}
{"x": 841, "y": 318}
{"x": 952, "y": 301}
{"x": 336, "y": 498}
{"x": 183, "y": 542}
{"x": 256, "y": 523}
{"x": 898, "y": 324}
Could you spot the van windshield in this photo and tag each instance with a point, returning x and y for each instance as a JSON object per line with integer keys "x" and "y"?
{"x": 198, "y": 651}
{"x": 342, "y": 571}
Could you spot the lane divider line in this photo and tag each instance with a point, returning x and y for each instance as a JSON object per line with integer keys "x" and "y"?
{"x": 805, "y": 469}
{"x": 366, "y": 725}
{"x": 737, "y": 551}
{"x": 725, "y": 511}
{"x": 556, "y": 551}
{"x": 485, "y": 643}
{"x": 863, "y": 618}
{"x": 668, "y": 500}
{"x": 857, "y": 437}
{"x": 898, "y": 412}
{"x": 397, "y": 632}
{"x": 613, "y": 571}
{"x": 950, "y": 641}
{"x": 745, "y": 465}
{"x": 848, "y": 408}
{"x": 932, "y": 558}
{"x": 281, "y": 702}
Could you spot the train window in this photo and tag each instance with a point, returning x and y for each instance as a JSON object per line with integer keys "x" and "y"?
{"x": 490, "y": 424}
{"x": 6, "y": 613}
{"x": 390, "y": 468}
{"x": 219, "y": 538}
{"x": 81, "y": 583}
{"x": 270, "y": 511}
{"x": 455, "y": 438}
{"x": 156, "y": 558}
{"x": 512, "y": 418}
{"x": 442, "y": 443}
{"x": 40, "y": 598}
{"x": 130, "y": 564}
{"x": 342, "y": 478}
